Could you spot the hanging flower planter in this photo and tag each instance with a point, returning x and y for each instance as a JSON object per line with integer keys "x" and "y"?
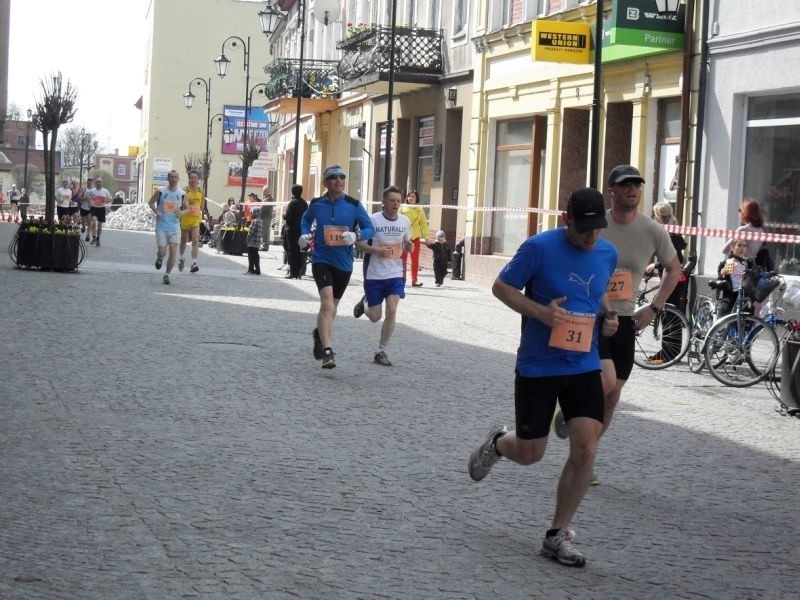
{"x": 47, "y": 247}
{"x": 234, "y": 240}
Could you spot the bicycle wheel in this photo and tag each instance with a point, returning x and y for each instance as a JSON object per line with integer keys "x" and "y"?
{"x": 741, "y": 350}
{"x": 664, "y": 341}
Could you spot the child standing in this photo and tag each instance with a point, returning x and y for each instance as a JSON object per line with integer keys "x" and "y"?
{"x": 254, "y": 243}
{"x": 733, "y": 269}
{"x": 441, "y": 257}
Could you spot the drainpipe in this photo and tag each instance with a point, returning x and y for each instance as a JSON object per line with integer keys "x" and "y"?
{"x": 701, "y": 111}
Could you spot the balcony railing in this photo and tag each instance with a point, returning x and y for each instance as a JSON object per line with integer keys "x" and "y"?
{"x": 320, "y": 79}
{"x": 367, "y": 50}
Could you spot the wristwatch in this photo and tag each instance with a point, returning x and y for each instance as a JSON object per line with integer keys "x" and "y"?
{"x": 654, "y": 308}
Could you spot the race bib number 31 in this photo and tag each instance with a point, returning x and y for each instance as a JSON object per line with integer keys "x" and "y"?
{"x": 333, "y": 235}
{"x": 620, "y": 286}
{"x": 394, "y": 250}
{"x": 575, "y": 333}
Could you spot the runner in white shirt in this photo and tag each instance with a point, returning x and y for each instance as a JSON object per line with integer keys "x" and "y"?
{"x": 383, "y": 268}
{"x": 63, "y": 199}
{"x": 99, "y": 198}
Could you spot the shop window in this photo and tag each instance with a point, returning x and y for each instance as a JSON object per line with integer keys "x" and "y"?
{"x": 425, "y": 159}
{"x": 513, "y": 163}
{"x": 772, "y": 169}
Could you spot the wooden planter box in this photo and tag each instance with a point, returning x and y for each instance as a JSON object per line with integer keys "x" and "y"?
{"x": 234, "y": 241}
{"x": 46, "y": 249}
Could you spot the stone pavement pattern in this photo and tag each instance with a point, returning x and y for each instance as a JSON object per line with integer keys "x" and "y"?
{"x": 181, "y": 442}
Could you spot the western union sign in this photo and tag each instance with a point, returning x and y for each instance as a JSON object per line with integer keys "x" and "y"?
{"x": 556, "y": 41}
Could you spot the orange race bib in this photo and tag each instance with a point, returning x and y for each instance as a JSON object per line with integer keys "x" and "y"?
{"x": 333, "y": 235}
{"x": 395, "y": 250}
{"x": 575, "y": 333}
{"x": 169, "y": 206}
{"x": 620, "y": 286}
{"x": 99, "y": 201}
{"x": 194, "y": 211}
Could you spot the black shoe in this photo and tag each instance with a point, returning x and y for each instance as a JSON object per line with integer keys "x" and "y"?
{"x": 358, "y": 309}
{"x": 328, "y": 360}
{"x": 195, "y": 268}
{"x": 418, "y": 284}
{"x": 317, "y": 345}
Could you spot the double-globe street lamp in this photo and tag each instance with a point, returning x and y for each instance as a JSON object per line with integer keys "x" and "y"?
{"x": 188, "y": 102}
{"x": 269, "y": 19}
{"x": 222, "y": 63}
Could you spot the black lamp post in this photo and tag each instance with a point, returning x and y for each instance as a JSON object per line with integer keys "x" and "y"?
{"x": 27, "y": 148}
{"x": 269, "y": 19}
{"x": 188, "y": 101}
{"x": 664, "y": 7}
{"x": 387, "y": 171}
{"x": 222, "y": 63}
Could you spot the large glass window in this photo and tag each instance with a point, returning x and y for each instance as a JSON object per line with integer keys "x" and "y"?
{"x": 355, "y": 171}
{"x": 513, "y": 160}
{"x": 425, "y": 159}
{"x": 460, "y": 11}
{"x": 772, "y": 169}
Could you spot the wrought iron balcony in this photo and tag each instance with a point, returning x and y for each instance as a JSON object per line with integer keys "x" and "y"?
{"x": 366, "y": 55}
{"x": 320, "y": 79}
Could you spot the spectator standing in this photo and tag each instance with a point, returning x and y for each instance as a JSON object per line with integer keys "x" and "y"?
{"x": 254, "y": 243}
{"x": 441, "y": 257}
{"x": 24, "y": 201}
{"x": 752, "y": 222}
{"x": 291, "y": 217}
{"x": 419, "y": 231}
{"x": 267, "y": 210}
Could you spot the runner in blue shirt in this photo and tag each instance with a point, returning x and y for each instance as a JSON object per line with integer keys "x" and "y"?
{"x": 340, "y": 221}
{"x": 557, "y": 281}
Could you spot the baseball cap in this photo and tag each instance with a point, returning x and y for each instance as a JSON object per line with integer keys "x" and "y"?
{"x": 440, "y": 234}
{"x": 622, "y": 173}
{"x": 587, "y": 210}
{"x": 331, "y": 171}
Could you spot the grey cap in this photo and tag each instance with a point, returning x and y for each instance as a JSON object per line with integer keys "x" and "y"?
{"x": 622, "y": 173}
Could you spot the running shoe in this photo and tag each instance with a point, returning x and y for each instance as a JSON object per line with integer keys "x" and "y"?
{"x": 180, "y": 265}
{"x": 484, "y": 456}
{"x": 194, "y": 268}
{"x": 97, "y": 242}
{"x": 328, "y": 359}
{"x": 416, "y": 284}
{"x": 560, "y": 425}
{"x": 158, "y": 263}
{"x": 317, "y": 345}
{"x": 165, "y": 280}
{"x": 559, "y": 547}
{"x": 358, "y": 309}
{"x": 594, "y": 480}
{"x": 382, "y": 359}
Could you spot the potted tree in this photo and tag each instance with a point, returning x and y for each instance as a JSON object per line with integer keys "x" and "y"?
{"x": 47, "y": 244}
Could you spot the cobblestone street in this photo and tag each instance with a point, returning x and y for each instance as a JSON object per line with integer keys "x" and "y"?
{"x": 181, "y": 442}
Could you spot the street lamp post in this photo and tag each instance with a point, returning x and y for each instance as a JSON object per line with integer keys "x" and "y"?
{"x": 222, "y": 63}
{"x": 387, "y": 167}
{"x": 188, "y": 100}
{"x": 664, "y": 7}
{"x": 27, "y": 148}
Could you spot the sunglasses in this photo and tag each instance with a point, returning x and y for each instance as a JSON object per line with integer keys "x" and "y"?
{"x": 342, "y": 177}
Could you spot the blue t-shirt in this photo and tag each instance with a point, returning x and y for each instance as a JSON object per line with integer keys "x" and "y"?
{"x": 342, "y": 215}
{"x": 548, "y": 266}
{"x": 169, "y": 205}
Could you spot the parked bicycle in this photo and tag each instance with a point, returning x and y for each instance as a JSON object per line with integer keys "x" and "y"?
{"x": 666, "y": 340}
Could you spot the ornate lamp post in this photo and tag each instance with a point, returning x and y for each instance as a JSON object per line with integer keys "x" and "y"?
{"x": 188, "y": 101}
{"x": 222, "y": 63}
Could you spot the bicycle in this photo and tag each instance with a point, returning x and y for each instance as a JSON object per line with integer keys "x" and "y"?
{"x": 665, "y": 340}
{"x": 742, "y": 349}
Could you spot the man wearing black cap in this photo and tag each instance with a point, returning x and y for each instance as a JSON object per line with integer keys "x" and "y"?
{"x": 336, "y": 216}
{"x": 564, "y": 274}
{"x": 636, "y": 238}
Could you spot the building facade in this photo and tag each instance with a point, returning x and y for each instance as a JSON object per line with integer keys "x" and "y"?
{"x": 124, "y": 170}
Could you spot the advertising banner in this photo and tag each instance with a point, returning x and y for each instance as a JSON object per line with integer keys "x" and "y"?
{"x": 161, "y": 166}
{"x": 233, "y": 120}
{"x": 257, "y": 174}
{"x": 557, "y": 41}
{"x": 635, "y": 29}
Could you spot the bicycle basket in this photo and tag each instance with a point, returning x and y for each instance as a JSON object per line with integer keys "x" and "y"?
{"x": 758, "y": 284}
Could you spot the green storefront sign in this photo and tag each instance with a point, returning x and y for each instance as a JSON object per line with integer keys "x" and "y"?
{"x": 635, "y": 29}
